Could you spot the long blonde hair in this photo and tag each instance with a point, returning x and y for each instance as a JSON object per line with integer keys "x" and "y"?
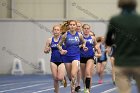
{"x": 64, "y": 26}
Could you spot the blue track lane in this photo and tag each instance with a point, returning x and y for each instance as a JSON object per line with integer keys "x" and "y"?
{"x": 44, "y": 84}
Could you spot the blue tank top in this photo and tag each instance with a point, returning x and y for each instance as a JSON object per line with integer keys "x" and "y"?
{"x": 55, "y": 55}
{"x": 89, "y": 45}
{"x": 103, "y": 51}
{"x": 72, "y": 44}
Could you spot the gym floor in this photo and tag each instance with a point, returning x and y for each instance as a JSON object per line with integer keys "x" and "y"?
{"x": 44, "y": 84}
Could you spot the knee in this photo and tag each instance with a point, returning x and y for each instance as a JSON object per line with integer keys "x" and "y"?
{"x": 88, "y": 74}
{"x": 98, "y": 70}
{"x": 73, "y": 74}
{"x": 102, "y": 71}
{"x": 55, "y": 78}
{"x": 60, "y": 78}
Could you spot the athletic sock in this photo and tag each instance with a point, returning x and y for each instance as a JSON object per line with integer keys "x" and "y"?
{"x": 87, "y": 83}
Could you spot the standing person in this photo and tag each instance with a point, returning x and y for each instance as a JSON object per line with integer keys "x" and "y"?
{"x": 72, "y": 41}
{"x": 125, "y": 27}
{"x": 101, "y": 61}
{"x": 78, "y": 87}
{"x": 87, "y": 61}
{"x": 56, "y": 65}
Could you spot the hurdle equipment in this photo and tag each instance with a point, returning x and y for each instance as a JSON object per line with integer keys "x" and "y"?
{"x": 41, "y": 66}
{"x": 17, "y": 67}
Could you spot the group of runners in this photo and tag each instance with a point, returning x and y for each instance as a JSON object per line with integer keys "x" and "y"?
{"x": 76, "y": 50}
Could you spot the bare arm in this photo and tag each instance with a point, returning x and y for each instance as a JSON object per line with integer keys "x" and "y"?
{"x": 108, "y": 49}
{"x": 83, "y": 42}
{"x": 59, "y": 46}
{"x": 98, "y": 54}
{"x": 47, "y": 46}
{"x": 94, "y": 39}
{"x": 82, "y": 39}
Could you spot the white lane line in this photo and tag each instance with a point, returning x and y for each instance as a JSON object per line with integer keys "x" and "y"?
{"x": 49, "y": 89}
{"x": 96, "y": 86}
{"x": 93, "y": 86}
{"x": 23, "y": 83}
{"x": 68, "y": 85}
{"x": 109, "y": 90}
{"x": 23, "y": 87}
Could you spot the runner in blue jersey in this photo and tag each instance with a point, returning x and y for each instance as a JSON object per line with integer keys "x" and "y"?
{"x": 101, "y": 62}
{"x": 56, "y": 64}
{"x": 72, "y": 41}
{"x": 86, "y": 57}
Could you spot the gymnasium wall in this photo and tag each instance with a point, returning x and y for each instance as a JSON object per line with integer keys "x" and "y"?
{"x": 26, "y": 24}
{"x": 60, "y": 9}
{"x": 4, "y": 12}
{"x": 25, "y": 39}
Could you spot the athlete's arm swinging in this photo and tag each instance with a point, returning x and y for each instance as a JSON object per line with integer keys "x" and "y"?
{"x": 47, "y": 47}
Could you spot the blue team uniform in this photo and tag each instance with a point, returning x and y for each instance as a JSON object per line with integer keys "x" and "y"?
{"x": 89, "y": 54}
{"x": 103, "y": 51}
{"x": 72, "y": 46}
{"x": 55, "y": 55}
{"x": 89, "y": 45}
